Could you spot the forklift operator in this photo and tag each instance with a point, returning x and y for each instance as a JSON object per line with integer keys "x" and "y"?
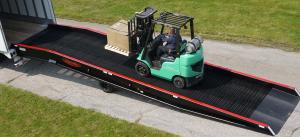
{"x": 169, "y": 43}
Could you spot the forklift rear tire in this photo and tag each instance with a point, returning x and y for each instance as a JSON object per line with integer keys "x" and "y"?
{"x": 107, "y": 88}
{"x": 142, "y": 69}
{"x": 179, "y": 82}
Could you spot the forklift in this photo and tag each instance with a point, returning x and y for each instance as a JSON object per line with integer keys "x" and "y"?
{"x": 184, "y": 65}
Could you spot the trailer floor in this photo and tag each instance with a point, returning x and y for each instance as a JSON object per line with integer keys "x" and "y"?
{"x": 220, "y": 88}
{"x": 16, "y": 30}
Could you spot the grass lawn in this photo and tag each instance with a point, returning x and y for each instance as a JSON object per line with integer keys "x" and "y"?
{"x": 28, "y": 115}
{"x": 274, "y": 23}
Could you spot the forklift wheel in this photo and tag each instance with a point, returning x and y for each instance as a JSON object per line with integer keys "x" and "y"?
{"x": 107, "y": 88}
{"x": 179, "y": 82}
{"x": 142, "y": 69}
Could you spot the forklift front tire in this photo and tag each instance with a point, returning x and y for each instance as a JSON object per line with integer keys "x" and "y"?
{"x": 142, "y": 69}
{"x": 107, "y": 88}
{"x": 179, "y": 82}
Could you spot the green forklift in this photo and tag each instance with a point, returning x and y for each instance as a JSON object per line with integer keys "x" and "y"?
{"x": 183, "y": 65}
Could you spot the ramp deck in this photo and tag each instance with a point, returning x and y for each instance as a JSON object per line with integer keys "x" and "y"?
{"x": 261, "y": 102}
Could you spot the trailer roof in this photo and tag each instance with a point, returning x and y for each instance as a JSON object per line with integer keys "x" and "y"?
{"x": 173, "y": 20}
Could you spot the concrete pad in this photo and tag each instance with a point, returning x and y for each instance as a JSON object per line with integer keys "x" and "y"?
{"x": 94, "y": 26}
{"x": 296, "y": 133}
{"x": 188, "y": 125}
{"x": 59, "y": 83}
{"x": 274, "y": 64}
{"x": 9, "y": 72}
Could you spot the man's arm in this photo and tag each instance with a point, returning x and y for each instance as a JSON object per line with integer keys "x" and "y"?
{"x": 169, "y": 39}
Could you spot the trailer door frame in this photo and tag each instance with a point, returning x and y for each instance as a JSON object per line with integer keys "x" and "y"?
{"x": 3, "y": 44}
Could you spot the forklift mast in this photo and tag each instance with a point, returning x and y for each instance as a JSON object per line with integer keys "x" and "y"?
{"x": 139, "y": 27}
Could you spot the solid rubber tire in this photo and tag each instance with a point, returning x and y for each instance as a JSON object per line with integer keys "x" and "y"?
{"x": 179, "y": 82}
{"x": 107, "y": 88}
{"x": 141, "y": 65}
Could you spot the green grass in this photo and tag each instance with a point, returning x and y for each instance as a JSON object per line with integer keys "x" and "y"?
{"x": 23, "y": 114}
{"x": 274, "y": 23}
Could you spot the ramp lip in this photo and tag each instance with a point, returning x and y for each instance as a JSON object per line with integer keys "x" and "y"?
{"x": 271, "y": 130}
{"x": 297, "y": 91}
{"x": 251, "y": 76}
{"x": 250, "y": 120}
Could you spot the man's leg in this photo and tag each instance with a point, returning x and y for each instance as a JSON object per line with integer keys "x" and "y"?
{"x": 161, "y": 50}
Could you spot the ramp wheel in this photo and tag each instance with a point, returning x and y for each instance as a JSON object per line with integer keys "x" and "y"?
{"x": 2, "y": 57}
{"x": 179, "y": 82}
{"x": 142, "y": 69}
{"x": 107, "y": 88}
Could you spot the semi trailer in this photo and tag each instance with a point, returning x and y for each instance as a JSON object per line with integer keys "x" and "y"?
{"x": 223, "y": 94}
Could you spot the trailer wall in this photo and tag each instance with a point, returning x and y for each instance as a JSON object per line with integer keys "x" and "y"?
{"x": 30, "y": 10}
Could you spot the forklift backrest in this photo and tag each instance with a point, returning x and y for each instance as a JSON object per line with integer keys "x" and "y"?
{"x": 148, "y": 11}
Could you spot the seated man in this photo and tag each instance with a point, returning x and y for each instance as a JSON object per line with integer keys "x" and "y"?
{"x": 169, "y": 43}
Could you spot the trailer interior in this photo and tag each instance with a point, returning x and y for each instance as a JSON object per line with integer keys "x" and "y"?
{"x": 20, "y": 19}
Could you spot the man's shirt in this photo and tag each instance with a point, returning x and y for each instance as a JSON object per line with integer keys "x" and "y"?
{"x": 171, "y": 41}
